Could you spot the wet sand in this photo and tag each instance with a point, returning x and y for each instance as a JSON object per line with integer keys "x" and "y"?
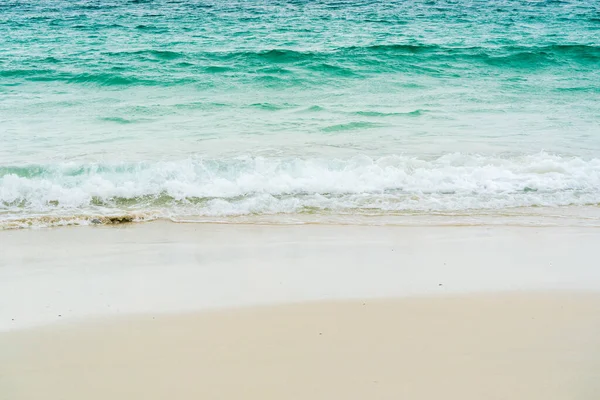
{"x": 52, "y": 275}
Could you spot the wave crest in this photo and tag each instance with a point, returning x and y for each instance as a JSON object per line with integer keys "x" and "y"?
{"x": 256, "y": 186}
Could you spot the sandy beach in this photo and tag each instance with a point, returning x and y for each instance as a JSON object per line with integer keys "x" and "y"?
{"x": 187, "y": 311}
{"x": 299, "y": 200}
{"x": 509, "y": 346}
{"x": 52, "y": 275}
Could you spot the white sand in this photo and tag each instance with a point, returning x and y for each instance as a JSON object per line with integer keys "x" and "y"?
{"x": 50, "y": 275}
{"x": 148, "y": 311}
{"x": 509, "y": 346}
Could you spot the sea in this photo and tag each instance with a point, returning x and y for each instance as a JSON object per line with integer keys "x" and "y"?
{"x": 299, "y": 111}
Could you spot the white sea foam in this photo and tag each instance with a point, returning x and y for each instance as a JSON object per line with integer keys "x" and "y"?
{"x": 254, "y": 185}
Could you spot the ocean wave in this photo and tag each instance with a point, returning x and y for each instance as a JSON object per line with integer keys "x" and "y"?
{"x": 350, "y": 55}
{"x": 394, "y": 48}
{"x": 158, "y": 54}
{"x": 415, "y": 113}
{"x": 168, "y": 67}
{"x": 351, "y": 126}
{"x": 256, "y": 186}
{"x": 111, "y": 78}
{"x": 529, "y": 56}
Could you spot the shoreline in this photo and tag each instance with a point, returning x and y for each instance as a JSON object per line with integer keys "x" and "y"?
{"x": 522, "y": 346}
{"x": 583, "y": 216}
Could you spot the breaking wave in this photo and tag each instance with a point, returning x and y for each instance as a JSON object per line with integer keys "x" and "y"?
{"x": 361, "y": 185}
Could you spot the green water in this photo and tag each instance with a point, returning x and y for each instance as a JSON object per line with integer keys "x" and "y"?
{"x": 189, "y": 109}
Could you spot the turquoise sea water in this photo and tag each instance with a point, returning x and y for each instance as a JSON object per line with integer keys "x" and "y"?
{"x": 287, "y": 111}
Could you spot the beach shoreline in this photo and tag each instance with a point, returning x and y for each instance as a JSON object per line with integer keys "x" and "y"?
{"x": 299, "y": 200}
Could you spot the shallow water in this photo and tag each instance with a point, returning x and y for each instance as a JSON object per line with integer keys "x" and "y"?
{"x": 297, "y": 110}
